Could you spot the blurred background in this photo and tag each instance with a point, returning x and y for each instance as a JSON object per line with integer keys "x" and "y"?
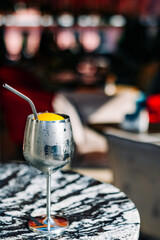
{"x": 95, "y": 60}
{"x": 49, "y": 47}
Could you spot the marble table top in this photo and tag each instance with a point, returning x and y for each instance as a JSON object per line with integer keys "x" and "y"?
{"x": 95, "y": 210}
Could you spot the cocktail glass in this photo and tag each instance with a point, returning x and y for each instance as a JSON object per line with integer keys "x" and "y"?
{"x": 48, "y": 146}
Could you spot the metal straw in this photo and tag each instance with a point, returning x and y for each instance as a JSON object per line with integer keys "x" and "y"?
{"x": 22, "y": 96}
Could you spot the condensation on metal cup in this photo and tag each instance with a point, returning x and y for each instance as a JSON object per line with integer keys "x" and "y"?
{"x": 48, "y": 145}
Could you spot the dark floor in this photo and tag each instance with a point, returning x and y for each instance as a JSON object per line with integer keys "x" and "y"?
{"x": 142, "y": 237}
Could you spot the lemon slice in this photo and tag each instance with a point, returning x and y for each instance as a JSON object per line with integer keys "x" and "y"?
{"x": 49, "y": 117}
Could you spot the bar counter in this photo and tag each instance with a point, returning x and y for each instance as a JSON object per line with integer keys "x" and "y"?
{"x": 95, "y": 210}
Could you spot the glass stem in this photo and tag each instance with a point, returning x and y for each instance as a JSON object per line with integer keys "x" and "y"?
{"x": 48, "y": 201}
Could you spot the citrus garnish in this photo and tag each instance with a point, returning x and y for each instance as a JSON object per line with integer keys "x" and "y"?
{"x": 49, "y": 117}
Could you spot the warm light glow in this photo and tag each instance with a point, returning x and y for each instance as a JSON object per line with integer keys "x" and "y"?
{"x": 23, "y": 18}
{"x": 28, "y": 17}
{"x": 13, "y": 41}
{"x": 66, "y": 40}
{"x": 90, "y": 40}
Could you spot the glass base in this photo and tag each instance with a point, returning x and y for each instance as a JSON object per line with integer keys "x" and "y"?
{"x": 55, "y": 224}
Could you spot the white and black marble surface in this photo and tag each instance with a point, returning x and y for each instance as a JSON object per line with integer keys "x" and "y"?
{"x": 95, "y": 210}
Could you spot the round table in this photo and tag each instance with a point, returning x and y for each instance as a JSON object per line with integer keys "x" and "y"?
{"x": 95, "y": 210}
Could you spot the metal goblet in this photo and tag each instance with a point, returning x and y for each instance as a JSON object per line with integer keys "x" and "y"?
{"x": 48, "y": 146}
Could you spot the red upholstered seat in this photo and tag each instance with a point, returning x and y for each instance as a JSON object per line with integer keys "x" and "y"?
{"x": 153, "y": 106}
{"x": 16, "y": 109}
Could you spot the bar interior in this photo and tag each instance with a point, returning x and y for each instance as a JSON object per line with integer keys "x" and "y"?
{"x": 97, "y": 62}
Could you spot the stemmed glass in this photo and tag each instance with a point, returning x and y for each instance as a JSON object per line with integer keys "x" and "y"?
{"x": 48, "y": 146}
